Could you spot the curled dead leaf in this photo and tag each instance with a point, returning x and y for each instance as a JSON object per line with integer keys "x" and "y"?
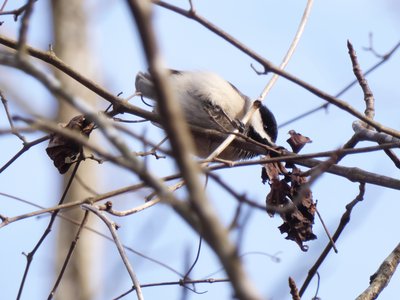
{"x": 297, "y": 141}
{"x": 64, "y": 151}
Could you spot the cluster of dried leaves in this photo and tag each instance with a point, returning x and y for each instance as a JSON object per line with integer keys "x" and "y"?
{"x": 291, "y": 196}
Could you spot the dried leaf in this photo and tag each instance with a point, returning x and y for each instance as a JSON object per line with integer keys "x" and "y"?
{"x": 270, "y": 172}
{"x": 297, "y": 141}
{"x": 277, "y": 197}
{"x": 291, "y": 197}
{"x": 64, "y": 151}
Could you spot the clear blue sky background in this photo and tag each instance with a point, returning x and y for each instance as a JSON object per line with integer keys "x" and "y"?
{"x": 267, "y": 27}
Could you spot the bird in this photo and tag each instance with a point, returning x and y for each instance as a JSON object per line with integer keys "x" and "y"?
{"x": 210, "y": 102}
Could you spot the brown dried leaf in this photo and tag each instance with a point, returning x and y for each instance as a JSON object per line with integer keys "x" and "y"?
{"x": 64, "y": 151}
{"x": 270, "y": 172}
{"x": 277, "y": 197}
{"x": 297, "y": 141}
{"x": 292, "y": 199}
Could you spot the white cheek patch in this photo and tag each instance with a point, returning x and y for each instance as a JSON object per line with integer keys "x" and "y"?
{"x": 258, "y": 125}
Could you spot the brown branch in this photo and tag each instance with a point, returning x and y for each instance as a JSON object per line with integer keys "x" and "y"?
{"x": 351, "y": 173}
{"x": 210, "y": 227}
{"x": 326, "y": 230}
{"x": 342, "y": 224}
{"x": 383, "y": 60}
{"x": 368, "y": 95}
{"x": 26, "y": 146}
{"x": 3, "y": 5}
{"x": 15, "y": 132}
{"x": 69, "y": 255}
{"x": 30, "y": 255}
{"x": 23, "y": 30}
{"x": 380, "y": 279}
{"x": 16, "y": 12}
{"x": 50, "y": 57}
{"x": 365, "y": 134}
{"x": 293, "y": 289}
{"x": 180, "y": 282}
{"x": 112, "y": 227}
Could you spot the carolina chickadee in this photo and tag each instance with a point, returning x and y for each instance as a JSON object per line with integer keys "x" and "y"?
{"x": 210, "y": 102}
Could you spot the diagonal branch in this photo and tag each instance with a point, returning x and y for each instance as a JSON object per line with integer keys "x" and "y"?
{"x": 380, "y": 279}
{"x": 112, "y": 227}
{"x": 211, "y": 228}
{"x": 343, "y": 222}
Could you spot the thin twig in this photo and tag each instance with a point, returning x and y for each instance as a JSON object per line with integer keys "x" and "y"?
{"x": 180, "y": 282}
{"x": 23, "y": 30}
{"x": 326, "y": 230}
{"x": 26, "y": 146}
{"x": 368, "y": 95}
{"x": 352, "y": 174}
{"x": 112, "y": 228}
{"x": 69, "y": 255}
{"x": 384, "y": 59}
{"x": 16, "y": 12}
{"x": 230, "y": 190}
{"x": 343, "y": 222}
{"x": 30, "y": 255}
{"x": 10, "y": 120}
{"x": 195, "y": 260}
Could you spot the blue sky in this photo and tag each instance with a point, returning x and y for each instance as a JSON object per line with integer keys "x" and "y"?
{"x": 267, "y": 27}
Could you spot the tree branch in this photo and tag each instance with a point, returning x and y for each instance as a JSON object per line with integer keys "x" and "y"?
{"x": 380, "y": 279}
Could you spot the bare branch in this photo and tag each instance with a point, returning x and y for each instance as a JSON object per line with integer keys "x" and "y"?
{"x": 211, "y": 228}
{"x": 343, "y": 222}
{"x": 16, "y": 12}
{"x": 10, "y": 121}
{"x": 368, "y": 96}
{"x": 380, "y": 279}
{"x": 30, "y": 255}
{"x": 385, "y": 58}
{"x": 26, "y": 147}
{"x": 49, "y": 57}
{"x": 293, "y": 289}
{"x": 180, "y": 282}
{"x": 23, "y": 31}
{"x": 69, "y": 255}
{"x": 113, "y": 230}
